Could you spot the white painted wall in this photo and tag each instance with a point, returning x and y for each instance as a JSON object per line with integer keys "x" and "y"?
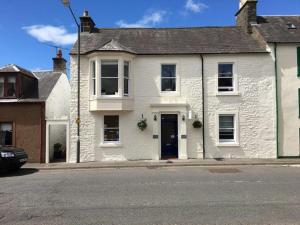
{"x": 134, "y": 143}
{"x": 57, "y": 109}
{"x": 288, "y": 85}
{"x": 254, "y": 105}
{"x": 57, "y": 104}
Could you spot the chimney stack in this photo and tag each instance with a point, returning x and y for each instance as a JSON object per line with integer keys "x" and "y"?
{"x": 247, "y": 16}
{"x": 59, "y": 63}
{"x": 86, "y": 22}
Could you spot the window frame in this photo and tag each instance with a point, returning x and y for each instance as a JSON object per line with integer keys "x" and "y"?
{"x": 13, "y": 132}
{"x": 117, "y": 94}
{"x": 234, "y": 79}
{"x": 93, "y": 77}
{"x": 104, "y": 128}
{"x": 17, "y": 86}
{"x": 234, "y": 142}
{"x": 176, "y": 78}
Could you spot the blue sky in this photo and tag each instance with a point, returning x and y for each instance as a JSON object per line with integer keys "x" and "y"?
{"x": 28, "y": 27}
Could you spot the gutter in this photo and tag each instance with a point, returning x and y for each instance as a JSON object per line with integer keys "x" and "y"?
{"x": 203, "y": 98}
{"x": 277, "y": 102}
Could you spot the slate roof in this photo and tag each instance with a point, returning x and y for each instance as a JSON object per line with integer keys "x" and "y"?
{"x": 147, "y": 41}
{"x": 275, "y": 28}
{"x": 12, "y": 68}
{"x": 47, "y": 81}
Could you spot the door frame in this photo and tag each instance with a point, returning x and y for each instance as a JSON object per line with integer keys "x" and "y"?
{"x": 57, "y": 122}
{"x": 178, "y": 131}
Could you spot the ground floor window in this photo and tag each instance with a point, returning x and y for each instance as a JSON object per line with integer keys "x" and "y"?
{"x": 226, "y": 128}
{"x": 111, "y": 129}
{"x": 6, "y": 134}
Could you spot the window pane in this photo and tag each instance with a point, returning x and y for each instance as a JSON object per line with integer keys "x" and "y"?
{"x": 111, "y": 135}
{"x": 111, "y": 121}
{"x": 109, "y": 86}
{"x": 226, "y": 134}
{"x": 226, "y": 122}
{"x": 93, "y": 69}
{"x": 1, "y": 87}
{"x": 11, "y": 87}
{"x": 6, "y": 134}
{"x": 225, "y": 68}
{"x": 126, "y": 69}
{"x": 126, "y": 84}
{"x": 111, "y": 128}
{"x": 109, "y": 68}
{"x": 226, "y": 128}
{"x": 168, "y": 84}
{"x": 168, "y": 71}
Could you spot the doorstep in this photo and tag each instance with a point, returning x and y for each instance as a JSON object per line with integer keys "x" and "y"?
{"x": 163, "y": 163}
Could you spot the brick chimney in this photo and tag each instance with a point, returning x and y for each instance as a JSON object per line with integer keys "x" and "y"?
{"x": 59, "y": 63}
{"x": 86, "y": 22}
{"x": 246, "y": 16}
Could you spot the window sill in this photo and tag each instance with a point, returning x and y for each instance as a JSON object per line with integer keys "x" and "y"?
{"x": 169, "y": 93}
{"x": 111, "y": 145}
{"x": 229, "y": 144}
{"x": 228, "y": 93}
{"x": 110, "y": 97}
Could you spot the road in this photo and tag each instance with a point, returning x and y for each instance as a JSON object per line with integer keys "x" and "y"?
{"x": 189, "y": 195}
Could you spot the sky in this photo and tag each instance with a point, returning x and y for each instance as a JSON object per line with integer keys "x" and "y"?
{"x": 29, "y": 28}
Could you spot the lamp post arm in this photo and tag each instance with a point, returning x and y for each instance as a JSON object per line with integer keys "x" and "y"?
{"x": 77, "y": 23}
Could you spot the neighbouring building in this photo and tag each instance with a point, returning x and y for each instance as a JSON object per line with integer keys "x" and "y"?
{"x": 203, "y": 92}
{"x": 31, "y": 103}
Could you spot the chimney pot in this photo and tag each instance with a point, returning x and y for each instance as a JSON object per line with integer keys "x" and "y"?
{"x": 59, "y": 63}
{"x": 85, "y": 13}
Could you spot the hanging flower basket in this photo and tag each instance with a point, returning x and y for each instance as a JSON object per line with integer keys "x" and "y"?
{"x": 142, "y": 124}
{"x": 197, "y": 124}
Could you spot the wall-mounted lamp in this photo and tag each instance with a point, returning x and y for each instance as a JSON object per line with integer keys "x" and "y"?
{"x": 183, "y": 117}
{"x": 155, "y": 118}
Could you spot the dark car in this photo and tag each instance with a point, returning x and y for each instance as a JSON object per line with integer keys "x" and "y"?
{"x": 12, "y": 158}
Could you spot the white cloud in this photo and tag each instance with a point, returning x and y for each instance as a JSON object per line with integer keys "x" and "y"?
{"x": 55, "y": 35}
{"x": 195, "y": 7}
{"x": 148, "y": 20}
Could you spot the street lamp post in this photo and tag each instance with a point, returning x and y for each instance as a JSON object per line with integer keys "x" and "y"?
{"x": 68, "y": 5}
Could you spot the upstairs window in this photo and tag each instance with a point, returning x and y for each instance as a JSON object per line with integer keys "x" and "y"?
{"x": 226, "y": 128}
{"x": 1, "y": 87}
{"x": 6, "y": 134}
{"x": 168, "y": 78}
{"x": 8, "y": 87}
{"x": 225, "y": 78}
{"x": 126, "y": 78}
{"x": 109, "y": 77}
{"x": 93, "y": 76}
{"x": 111, "y": 129}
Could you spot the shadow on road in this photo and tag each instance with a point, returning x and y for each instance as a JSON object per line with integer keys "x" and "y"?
{"x": 20, "y": 172}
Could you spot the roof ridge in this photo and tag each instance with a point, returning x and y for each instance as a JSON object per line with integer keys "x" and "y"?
{"x": 280, "y": 15}
{"x": 163, "y": 28}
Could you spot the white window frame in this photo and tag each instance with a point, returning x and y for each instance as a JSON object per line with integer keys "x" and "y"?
{"x": 177, "y": 80}
{"x": 93, "y": 83}
{"x": 112, "y": 143}
{"x": 234, "y": 79}
{"x": 235, "y": 141}
{"x": 126, "y": 78}
{"x": 117, "y": 94}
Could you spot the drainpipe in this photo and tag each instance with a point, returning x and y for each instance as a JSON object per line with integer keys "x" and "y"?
{"x": 277, "y": 104}
{"x": 203, "y": 114}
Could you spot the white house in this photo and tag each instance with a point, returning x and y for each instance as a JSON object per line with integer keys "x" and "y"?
{"x": 55, "y": 91}
{"x": 222, "y": 78}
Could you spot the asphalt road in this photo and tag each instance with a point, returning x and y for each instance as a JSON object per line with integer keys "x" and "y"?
{"x": 236, "y": 195}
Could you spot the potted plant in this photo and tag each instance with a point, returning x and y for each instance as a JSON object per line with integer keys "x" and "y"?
{"x": 57, "y": 150}
{"x": 197, "y": 123}
{"x": 142, "y": 124}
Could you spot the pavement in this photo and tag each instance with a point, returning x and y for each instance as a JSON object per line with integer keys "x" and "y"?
{"x": 211, "y": 195}
{"x": 164, "y": 163}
